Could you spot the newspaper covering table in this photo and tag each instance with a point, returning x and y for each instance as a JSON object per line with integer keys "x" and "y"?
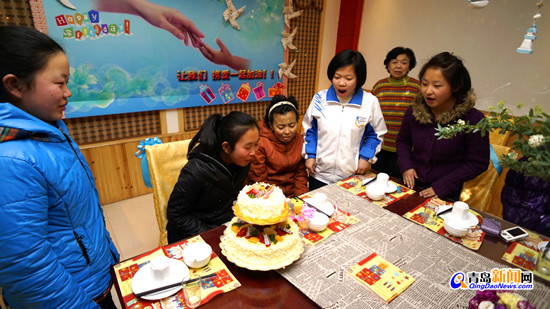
{"x": 428, "y": 257}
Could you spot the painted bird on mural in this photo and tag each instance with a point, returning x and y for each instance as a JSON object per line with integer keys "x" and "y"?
{"x": 68, "y": 4}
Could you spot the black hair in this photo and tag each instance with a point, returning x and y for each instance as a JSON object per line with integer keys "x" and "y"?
{"x": 394, "y": 53}
{"x": 453, "y": 70}
{"x": 23, "y": 53}
{"x": 345, "y": 58}
{"x": 281, "y": 109}
{"x": 218, "y": 129}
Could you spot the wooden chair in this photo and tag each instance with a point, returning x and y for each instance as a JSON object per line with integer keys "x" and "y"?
{"x": 478, "y": 192}
{"x": 165, "y": 163}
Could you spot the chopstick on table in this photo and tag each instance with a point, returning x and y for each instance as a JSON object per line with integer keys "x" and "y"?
{"x": 445, "y": 211}
{"x": 369, "y": 181}
{"x": 170, "y": 286}
{"x": 312, "y": 206}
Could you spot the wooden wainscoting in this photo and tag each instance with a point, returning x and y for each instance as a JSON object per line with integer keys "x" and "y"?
{"x": 117, "y": 171}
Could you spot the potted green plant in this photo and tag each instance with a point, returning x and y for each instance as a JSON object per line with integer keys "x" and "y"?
{"x": 526, "y": 194}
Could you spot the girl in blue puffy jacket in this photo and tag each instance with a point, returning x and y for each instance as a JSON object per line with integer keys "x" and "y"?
{"x": 55, "y": 251}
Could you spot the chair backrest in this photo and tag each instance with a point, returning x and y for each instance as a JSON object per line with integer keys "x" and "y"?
{"x": 499, "y": 139}
{"x": 478, "y": 192}
{"x": 165, "y": 163}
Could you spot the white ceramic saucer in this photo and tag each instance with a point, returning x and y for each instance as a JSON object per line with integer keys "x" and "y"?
{"x": 144, "y": 280}
{"x": 470, "y": 221}
{"x": 391, "y": 187}
{"x": 327, "y": 207}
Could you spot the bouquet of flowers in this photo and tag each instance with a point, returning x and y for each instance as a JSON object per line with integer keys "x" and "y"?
{"x": 533, "y": 138}
{"x": 490, "y": 299}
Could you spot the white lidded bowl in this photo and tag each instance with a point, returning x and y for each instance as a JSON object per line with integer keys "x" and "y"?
{"x": 317, "y": 222}
{"x": 455, "y": 227}
{"x": 197, "y": 254}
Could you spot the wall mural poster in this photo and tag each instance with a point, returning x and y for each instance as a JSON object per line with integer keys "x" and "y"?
{"x": 139, "y": 55}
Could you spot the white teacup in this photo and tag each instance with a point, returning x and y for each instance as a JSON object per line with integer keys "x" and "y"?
{"x": 460, "y": 210}
{"x": 160, "y": 267}
{"x": 382, "y": 180}
{"x": 319, "y": 199}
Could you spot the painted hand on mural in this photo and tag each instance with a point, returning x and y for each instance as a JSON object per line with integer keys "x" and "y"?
{"x": 157, "y": 15}
{"x": 223, "y": 56}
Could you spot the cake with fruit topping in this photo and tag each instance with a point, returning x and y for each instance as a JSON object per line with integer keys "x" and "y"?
{"x": 262, "y": 247}
{"x": 261, "y": 203}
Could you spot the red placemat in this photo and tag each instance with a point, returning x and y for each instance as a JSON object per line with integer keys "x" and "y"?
{"x": 524, "y": 253}
{"x": 337, "y": 223}
{"x": 354, "y": 185}
{"x": 381, "y": 277}
{"x": 472, "y": 240}
{"x": 224, "y": 281}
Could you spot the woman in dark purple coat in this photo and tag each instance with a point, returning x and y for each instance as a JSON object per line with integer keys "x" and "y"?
{"x": 441, "y": 166}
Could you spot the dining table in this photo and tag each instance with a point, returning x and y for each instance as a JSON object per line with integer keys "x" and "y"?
{"x": 320, "y": 277}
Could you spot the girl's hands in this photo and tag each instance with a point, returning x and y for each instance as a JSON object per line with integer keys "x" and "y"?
{"x": 363, "y": 167}
{"x": 409, "y": 176}
{"x": 310, "y": 166}
{"x": 428, "y": 193}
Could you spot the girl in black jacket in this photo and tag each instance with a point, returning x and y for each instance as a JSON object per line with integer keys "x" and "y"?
{"x": 219, "y": 160}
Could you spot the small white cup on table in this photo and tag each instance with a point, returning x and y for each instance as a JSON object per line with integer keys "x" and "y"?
{"x": 460, "y": 210}
{"x": 160, "y": 267}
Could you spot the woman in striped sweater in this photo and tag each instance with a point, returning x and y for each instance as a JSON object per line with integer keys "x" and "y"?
{"x": 395, "y": 93}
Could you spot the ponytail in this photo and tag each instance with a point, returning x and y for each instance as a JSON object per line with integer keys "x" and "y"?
{"x": 218, "y": 129}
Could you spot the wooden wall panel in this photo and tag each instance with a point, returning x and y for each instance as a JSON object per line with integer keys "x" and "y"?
{"x": 117, "y": 171}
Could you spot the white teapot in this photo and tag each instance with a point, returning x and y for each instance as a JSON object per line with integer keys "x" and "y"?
{"x": 377, "y": 190}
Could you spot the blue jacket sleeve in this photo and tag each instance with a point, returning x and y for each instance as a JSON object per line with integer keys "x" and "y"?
{"x": 28, "y": 267}
{"x": 310, "y": 141}
{"x": 369, "y": 142}
{"x": 310, "y": 130}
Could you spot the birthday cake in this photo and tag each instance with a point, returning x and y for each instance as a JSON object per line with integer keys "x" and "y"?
{"x": 261, "y": 203}
{"x": 262, "y": 247}
{"x": 261, "y": 236}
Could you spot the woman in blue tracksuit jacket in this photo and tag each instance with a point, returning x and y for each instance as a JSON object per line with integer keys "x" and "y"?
{"x": 55, "y": 251}
{"x": 343, "y": 125}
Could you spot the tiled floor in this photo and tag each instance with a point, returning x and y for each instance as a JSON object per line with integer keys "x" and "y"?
{"x": 132, "y": 224}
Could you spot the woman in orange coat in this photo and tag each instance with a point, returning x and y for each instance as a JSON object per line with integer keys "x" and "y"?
{"x": 279, "y": 156}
